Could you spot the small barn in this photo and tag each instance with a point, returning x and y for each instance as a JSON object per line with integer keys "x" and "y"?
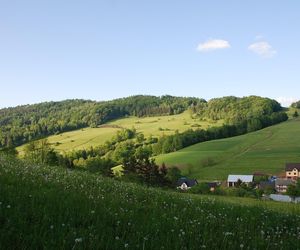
{"x": 233, "y": 180}
{"x": 186, "y": 183}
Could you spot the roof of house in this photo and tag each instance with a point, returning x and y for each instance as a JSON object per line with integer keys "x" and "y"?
{"x": 291, "y": 166}
{"x": 188, "y": 182}
{"x": 212, "y": 184}
{"x": 243, "y": 178}
{"x": 283, "y": 182}
{"x": 266, "y": 184}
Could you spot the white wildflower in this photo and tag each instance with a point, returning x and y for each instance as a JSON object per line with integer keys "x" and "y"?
{"x": 78, "y": 240}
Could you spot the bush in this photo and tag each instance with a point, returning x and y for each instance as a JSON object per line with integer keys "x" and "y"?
{"x": 201, "y": 188}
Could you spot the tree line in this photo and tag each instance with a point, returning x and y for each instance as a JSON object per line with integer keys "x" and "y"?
{"x": 296, "y": 105}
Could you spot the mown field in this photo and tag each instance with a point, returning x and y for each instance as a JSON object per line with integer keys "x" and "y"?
{"x": 265, "y": 151}
{"x": 53, "y": 208}
{"x": 155, "y": 126}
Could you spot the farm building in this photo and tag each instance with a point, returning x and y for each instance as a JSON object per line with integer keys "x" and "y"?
{"x": 281, "y": 185}
{"x": 280, "y": 197}
{"x": 185, "y": 183}
{"x": 292, "y": 170}
{"x": 284, "y": 198}
{"x": 233, "y": 180}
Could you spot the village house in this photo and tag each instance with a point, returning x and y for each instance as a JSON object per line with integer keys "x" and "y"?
{"x": 234, "y": 179}
{"x": 292, "y": 170}
{"x": 281, "y": 185}
{"x": 212, "y": 186}
{"x": 185, "y": 183}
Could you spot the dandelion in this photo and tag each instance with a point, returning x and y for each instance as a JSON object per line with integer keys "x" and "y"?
{"x": 78, "y": 240}
{"x": 126, "y": 245}
{"x": 8, "y": 206}
{"x": 92, "y": 212}
{"x": 51, "y": 227}
{"x": 117, "y": 238}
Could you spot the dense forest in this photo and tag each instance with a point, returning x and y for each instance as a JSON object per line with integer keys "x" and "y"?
{"x": 235, "y": 110}
{"x": 25, "y": 123}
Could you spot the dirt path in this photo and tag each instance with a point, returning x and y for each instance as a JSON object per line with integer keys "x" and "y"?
{"x": 247, "y": 149}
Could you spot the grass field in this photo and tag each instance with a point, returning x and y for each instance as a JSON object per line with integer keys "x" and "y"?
{"x": 52, "y": 208}
{"x": 155, "y": 126}
{"x": 266, "y": 151}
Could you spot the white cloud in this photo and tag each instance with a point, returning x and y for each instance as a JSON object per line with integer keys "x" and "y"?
{"x": 213, "y": 44}
{"x": 263, "y": 49}
{"x": 286, "y": 101}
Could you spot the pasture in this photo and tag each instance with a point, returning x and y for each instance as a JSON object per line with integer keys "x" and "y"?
{"x": 155, "y": 126}
{"x": 266, "y": 150}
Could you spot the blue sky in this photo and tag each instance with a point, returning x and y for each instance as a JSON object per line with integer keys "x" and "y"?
{"x": 54, "y": 50}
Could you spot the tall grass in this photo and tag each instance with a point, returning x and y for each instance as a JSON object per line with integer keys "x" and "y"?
{"x": 53, "y": 208}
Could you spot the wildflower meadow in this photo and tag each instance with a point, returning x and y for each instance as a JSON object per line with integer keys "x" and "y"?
{"x": 55, "y": 208}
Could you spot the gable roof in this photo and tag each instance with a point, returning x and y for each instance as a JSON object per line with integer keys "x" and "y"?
{"x": 291, "y": 166}
{"x": 243, "y": 178}
{"x": 266, "y": 184}
{"x": 212, "y": 184}
{"x": 283, "y": 182}
{"x": 188, "y": 182}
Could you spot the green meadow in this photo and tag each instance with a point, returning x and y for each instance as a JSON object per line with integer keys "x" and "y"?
{"x": 155, "y": 126}
{"x": 45, "y": 207}
{"x": 266, "y": 150}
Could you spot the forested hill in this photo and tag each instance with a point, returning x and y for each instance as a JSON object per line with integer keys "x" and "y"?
{"x": 234, "y": 110}
{"x": 25, "y": 123}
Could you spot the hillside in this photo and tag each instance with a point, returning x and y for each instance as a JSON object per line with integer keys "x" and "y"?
{"x": 266, "y": 151}
{"x": 22, "y": 124}
{"x": 150, "y": 126}
{"x": 52, "y": 208}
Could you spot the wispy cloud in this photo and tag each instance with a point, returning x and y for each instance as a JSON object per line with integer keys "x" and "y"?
{"x": 263, "y": 49}
{"x": 213, "y": 44}
{"x": 286, "y": 101}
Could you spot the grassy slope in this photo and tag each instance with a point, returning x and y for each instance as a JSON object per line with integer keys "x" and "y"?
{"x": 87, "y": 137}
{"x": 51, "y": 208}
{"x": 266, "y": 151}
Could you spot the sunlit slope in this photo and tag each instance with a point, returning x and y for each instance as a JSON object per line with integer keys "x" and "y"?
{"x": 155, "y": 126}
{"x": 266, "y": 151}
